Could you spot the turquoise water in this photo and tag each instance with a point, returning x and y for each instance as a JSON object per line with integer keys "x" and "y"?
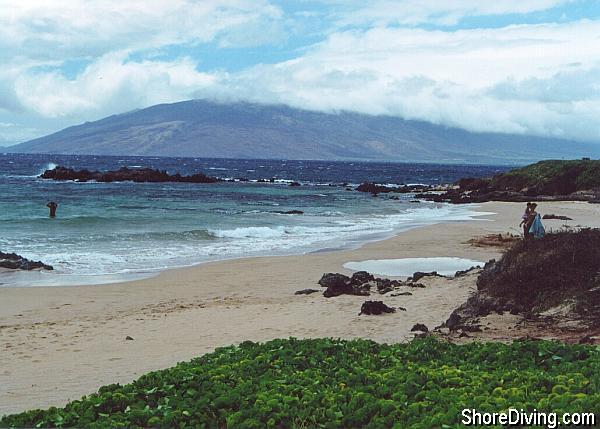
{"x": 108, "y": 229}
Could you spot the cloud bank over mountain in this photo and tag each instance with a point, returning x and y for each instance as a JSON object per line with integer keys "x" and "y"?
{"x": 527, "y": 67}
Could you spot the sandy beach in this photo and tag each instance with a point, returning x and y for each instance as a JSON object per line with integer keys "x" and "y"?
{"x": 59, "y": 343}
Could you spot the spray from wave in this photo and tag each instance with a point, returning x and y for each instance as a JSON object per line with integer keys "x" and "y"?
{"x": 49, "y": 166}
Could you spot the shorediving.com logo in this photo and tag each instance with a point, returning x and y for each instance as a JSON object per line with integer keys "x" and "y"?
{"x": 514, "y": 417}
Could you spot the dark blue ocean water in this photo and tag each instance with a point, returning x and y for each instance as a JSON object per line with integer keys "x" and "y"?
{"x": 115, "y": 228}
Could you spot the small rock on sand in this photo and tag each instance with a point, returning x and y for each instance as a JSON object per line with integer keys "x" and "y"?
{"x": 306, "y": 291}
{"x": 419, "y": 327}
{"x": 375, "y": 307}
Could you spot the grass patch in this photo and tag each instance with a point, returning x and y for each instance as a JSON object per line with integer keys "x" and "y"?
{"x": 327, "y": 383}
{"x": 551, "y": 177}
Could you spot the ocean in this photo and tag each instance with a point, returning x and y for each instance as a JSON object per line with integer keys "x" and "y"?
{"x": 106, "y": 232}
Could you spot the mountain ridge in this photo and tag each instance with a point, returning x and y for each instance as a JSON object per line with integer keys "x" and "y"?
{"x": 200, "y": 128}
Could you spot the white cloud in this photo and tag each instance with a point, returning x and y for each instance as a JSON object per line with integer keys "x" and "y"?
{"x": 62, "y": 29}
{"x": 37, "y": 39}
{"x": 539, "y": 79}
{"x": 11, "y": 133}
{"x": 437, "y": 12}
{"x": 110, "y": 85}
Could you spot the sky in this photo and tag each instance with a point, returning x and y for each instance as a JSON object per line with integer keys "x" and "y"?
{"x": 516, "y": 66}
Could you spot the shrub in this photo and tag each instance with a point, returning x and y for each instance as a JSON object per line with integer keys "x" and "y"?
{"x": 538, "y": 274}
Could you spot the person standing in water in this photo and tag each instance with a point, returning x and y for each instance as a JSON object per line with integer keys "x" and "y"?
{"x": 52, "y": 206}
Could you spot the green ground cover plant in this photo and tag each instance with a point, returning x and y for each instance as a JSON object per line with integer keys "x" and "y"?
{"x": 328, "y": 383}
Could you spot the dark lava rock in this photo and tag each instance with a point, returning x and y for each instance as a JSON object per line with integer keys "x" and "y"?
{"x": 124, "y": 174}
{"x": 375, "y": 307}
{"x": 419, "y": 327}
{"x": 461, "y": 273}
{"x": 361, "y": 277}
{"x": 339, "y": 284}
{"x": 453, "y": 321}
{"x": 374, "y": 188}
{"x": 291, "y": 212}
{"x": 417, "y": 285}
{"x": 360, "y": 284}
{"x": 306, "y": 291}
{"x": 553, "y": 216}
{"x": 419, "y": 275}
{"x": 471, "y": 328}
{"x": 128, "y": 338}
{"x": 387, "y": 285}
{"x": 12, "y": 261}
{"x": 472, "y": 184}
{"x": 401, "y": 294}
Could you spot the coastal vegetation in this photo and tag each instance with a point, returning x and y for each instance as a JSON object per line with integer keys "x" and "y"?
{"x": 329, "y": 383}
{"x": 554, "y": 280}
{"x": 551, "y": 177}
{"x": 540, "y": 274}
{"x": 548, "y": 180}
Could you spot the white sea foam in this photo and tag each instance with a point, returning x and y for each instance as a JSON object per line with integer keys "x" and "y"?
{"x": 336, "y": 232}
{"x": 110, "y": 252}
{"x": 250, "y": 232}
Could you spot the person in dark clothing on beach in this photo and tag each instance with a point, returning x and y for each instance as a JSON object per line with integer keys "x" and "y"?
{"x": 52, "y": 206}
{"x": 528, "y": 220}
{"x": 525, "y": 221}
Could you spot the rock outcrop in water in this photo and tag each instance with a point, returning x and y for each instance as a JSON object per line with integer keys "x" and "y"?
{"x": 289, "y": 212}
{"x": 375, "y": 189}
{"x": 12, "y": 261}
{"x": 124, "y": 174}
